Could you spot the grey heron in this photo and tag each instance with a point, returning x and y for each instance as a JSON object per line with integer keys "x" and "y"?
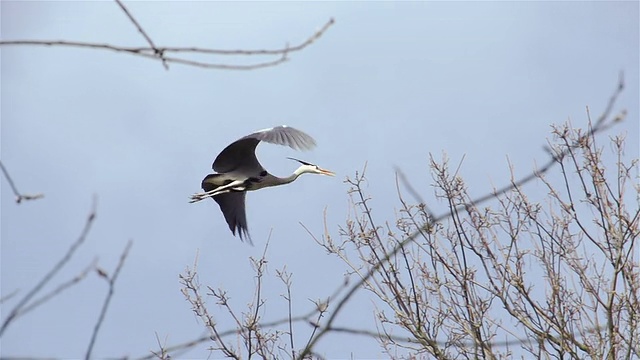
{"x": 238, "y": 171}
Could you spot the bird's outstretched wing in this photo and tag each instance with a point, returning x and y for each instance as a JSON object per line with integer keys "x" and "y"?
{"x": 241, "y": 153}
{"x": 232, "y": 206}
{"x": 285, "y": 135}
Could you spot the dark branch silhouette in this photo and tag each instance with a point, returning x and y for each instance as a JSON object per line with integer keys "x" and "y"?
{"x": 18, "y": 309}
{"x": 19, "y": 196}
{"x": 112, "y": 281}
{"x": 167, "y": 54}
{"x": 144, "y": 34}
{"x": 58, "y": 290}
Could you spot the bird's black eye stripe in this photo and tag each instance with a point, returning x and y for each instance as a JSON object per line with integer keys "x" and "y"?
{"x": 263, "y": 173}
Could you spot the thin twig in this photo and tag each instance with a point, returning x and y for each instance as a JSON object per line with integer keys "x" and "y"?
{"x": 83, "y": 235}
{"x": 289, "y": 301}
{"x": 416, "y": 196}
{"x": 58, "y": 290}
{"x": 107, "y": 300}
{"x": 251, "y": 327}
{"x": 9, "y": 296}
{"x": 191, "y": 292}
{"x": 19, "y": 196}
{"x": 157, "y": 52}
{"x": 162, "y": 354}
{"x": 321, "y": 308}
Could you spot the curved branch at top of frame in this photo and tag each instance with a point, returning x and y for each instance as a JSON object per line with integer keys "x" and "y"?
{"x": 163, "y": 54}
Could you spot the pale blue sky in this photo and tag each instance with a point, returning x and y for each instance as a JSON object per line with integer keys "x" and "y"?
{"x": 388, "y": 84}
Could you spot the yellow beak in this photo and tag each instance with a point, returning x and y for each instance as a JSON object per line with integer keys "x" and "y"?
{"x": 327, "y": 172}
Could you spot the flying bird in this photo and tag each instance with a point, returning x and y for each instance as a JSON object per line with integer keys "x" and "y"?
{"x": 238, "y": 171}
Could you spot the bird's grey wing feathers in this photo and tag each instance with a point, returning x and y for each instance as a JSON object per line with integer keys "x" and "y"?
{"x": 241, "y": 153}
{"x": 232, "y": 206}
{"x": 285, "y": 135}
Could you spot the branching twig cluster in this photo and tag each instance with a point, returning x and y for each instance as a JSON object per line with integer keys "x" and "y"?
{"x": 558, "y": 278}
{"x": 429, "y": 221}
{"x": 266, "y": 340}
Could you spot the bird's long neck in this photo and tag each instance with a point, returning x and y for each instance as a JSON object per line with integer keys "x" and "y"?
{"x": 271, "y": 180}
{"x": 291, "y": 178}
{"x": 299, "y": 171}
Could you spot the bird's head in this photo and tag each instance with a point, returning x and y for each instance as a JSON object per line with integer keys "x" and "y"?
{"x": 311, "y": 168}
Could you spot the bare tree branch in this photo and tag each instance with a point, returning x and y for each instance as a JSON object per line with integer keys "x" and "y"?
{"x": 26, "y": 358}
{"x": 19, "y": 196}
{"x": 191, "y": 291}
{"x": 163, "y": 53}
{"x": 23, "y": 302}
{"x": 205, "y": 338}
{"x": 9, "y": 296}
{"x": 162, "y": 354}
{"x": 286, "y": 280}
{"x": 112, "y": 281}
{"x": 58, "y": 290}
{"x": 157, "y": 52}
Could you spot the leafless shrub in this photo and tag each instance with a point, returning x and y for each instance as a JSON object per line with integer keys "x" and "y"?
{"x": 266, "y": 340}
{"x": 555, "y": 275}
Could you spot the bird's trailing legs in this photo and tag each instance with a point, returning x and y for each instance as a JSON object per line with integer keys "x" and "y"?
{"x": 201, "y": 196}
{"x": 238, "y": 185}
